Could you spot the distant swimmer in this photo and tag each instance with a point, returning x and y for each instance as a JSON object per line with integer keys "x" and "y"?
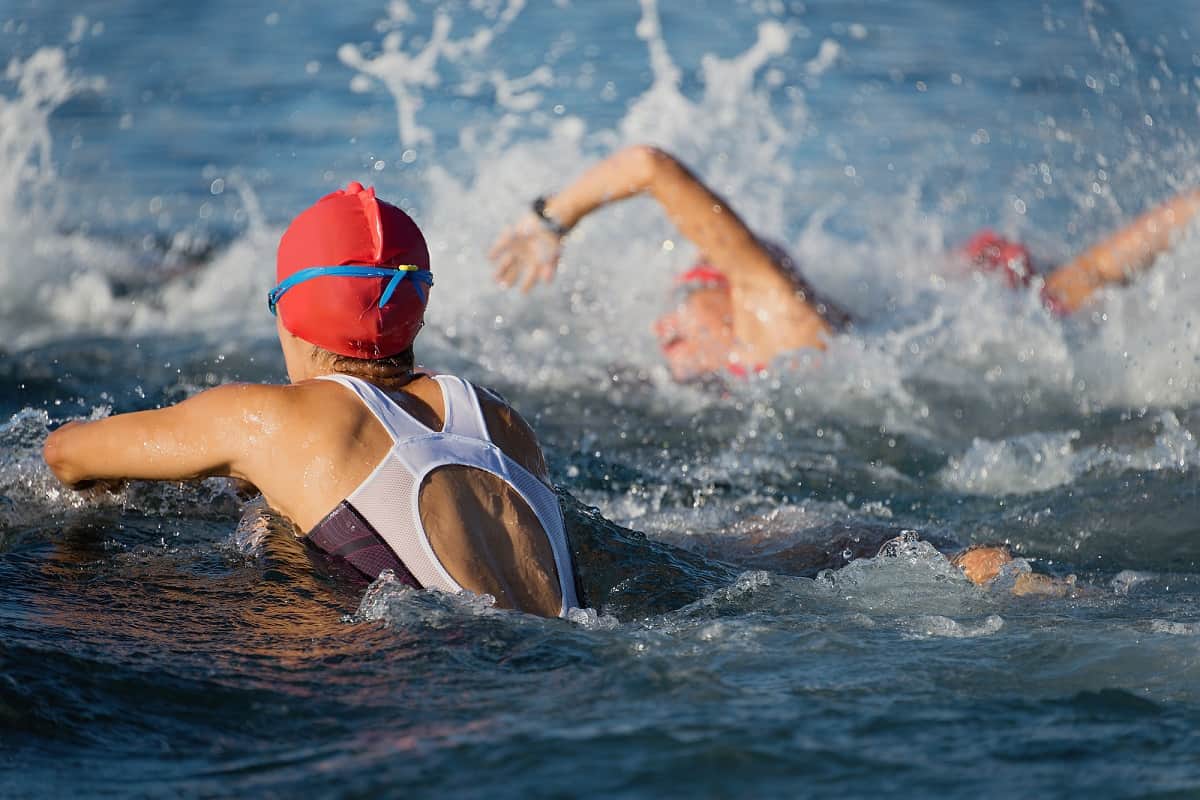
{"x": 744, "y": 303}
{"x": 383, "y": 467}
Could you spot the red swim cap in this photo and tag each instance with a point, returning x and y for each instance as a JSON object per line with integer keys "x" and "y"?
{"x": 342, "y": 314}
{"x": 991, "y": 252}
{"x": 704, "y": 274}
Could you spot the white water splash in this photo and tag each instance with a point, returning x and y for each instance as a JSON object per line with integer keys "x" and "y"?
{"x": 934, "y": 626}
{"x": 909, "y": 574}
{"x": 827, "y": 56}
{"x": 43, "y": 83}
{"x": 921, "y": 322}
{"x": 405, "y": 73}
{"x": 29, "y": 491}
{"x": 394, "y": 602}
{"x": 1041, "y": 461}
{"x": 1175, "y": 628}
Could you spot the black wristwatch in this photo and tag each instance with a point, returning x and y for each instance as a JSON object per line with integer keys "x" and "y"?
{"x": 553, "y": 225}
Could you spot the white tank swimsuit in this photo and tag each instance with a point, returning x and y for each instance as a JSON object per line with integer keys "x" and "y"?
{"x": 379, "y": 526}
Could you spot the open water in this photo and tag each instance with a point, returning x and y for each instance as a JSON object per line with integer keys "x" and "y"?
{"x": 175, "y": 641}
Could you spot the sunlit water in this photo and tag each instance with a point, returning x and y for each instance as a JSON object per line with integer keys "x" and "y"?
{"x": 176, "y": 641}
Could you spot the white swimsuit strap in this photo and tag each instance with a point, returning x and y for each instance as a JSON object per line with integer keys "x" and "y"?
{"x": 396, "y": 421}
{"x": 416, "y": 451}
{"x": 463, "y": 414}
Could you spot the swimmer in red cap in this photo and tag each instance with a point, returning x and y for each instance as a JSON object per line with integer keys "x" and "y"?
{"x": 383, "y": 467}
{"x": 745, "y": 303}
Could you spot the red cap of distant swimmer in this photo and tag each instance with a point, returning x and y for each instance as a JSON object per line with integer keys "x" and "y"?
{"x": 990, "y": 251}
{"x": 704, "y": 274}
{"x": 341, "y": 314}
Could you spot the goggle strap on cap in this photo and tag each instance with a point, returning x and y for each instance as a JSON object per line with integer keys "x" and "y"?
{"x": 419, "y": 277}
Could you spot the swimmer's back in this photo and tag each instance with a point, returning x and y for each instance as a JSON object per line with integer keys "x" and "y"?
{"x": 481, "y": 530}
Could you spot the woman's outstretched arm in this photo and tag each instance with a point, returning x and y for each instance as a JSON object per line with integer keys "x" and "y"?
{"x": 1125, "y": 252}
{"x": 771, "y": 313}
{"x": 528, "y": 251}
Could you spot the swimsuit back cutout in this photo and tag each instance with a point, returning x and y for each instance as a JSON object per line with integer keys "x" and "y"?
{"x": 379, "y": 525}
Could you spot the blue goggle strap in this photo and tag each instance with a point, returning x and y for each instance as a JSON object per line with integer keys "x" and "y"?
{"x": 419, "y": 277}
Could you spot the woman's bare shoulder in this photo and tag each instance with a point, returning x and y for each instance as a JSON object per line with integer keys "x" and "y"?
{"x": 511, "y": 432}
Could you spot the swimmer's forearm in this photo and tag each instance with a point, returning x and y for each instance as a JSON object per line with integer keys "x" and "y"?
{"x": 1130, "y": 249}
{"x": 700, "y": 214}
{"x": 624, "y": 174}
{"x": 83, "y": 453}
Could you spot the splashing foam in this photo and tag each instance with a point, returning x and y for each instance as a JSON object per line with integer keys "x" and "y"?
{"x": 921, "y": 320}
{"x": 908, "y": 575}
{"x": 925, "y": 331}
{"x": 393, "y": 602}
{"x": 77, "y": 275}
{"x": 599, "y": 309}
{"x": 27, "y": 180}
{"x": 1038, "y": 462}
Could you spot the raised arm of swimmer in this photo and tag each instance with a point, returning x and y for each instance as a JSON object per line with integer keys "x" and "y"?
{"x": 769, "y": 309}
{"x": 1119, "y": 256}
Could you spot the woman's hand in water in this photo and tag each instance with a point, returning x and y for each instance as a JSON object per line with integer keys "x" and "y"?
{"x": 527, "y": 252}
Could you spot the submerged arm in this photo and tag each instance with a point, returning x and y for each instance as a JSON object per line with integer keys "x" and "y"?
{"x": 1129, "y": 250}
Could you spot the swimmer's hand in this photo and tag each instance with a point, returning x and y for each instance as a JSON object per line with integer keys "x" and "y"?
{"x": 527, "y": 252}
{"x": 88, "y": 486}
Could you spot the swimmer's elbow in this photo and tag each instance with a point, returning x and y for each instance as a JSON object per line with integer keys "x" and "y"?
{"x": 650, "y": 162}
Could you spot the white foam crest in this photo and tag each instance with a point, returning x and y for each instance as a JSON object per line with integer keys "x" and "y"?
{"x": 731, "y": 111}
{"x": 936, "y": 626}
{"x": 77, "y": 274}
{"x": 225, "y": 293}
{"x": 1034, "y": 462}
{"x": 228, "y": 294}
{"x": 43, "y": 83}
{"x": 908, "y": 575}
{"x": 393, "y": 602}
{"x": 28, "y": 244}
{"x": 1175, "y": 628}
{"x": 1038, "y": 462}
